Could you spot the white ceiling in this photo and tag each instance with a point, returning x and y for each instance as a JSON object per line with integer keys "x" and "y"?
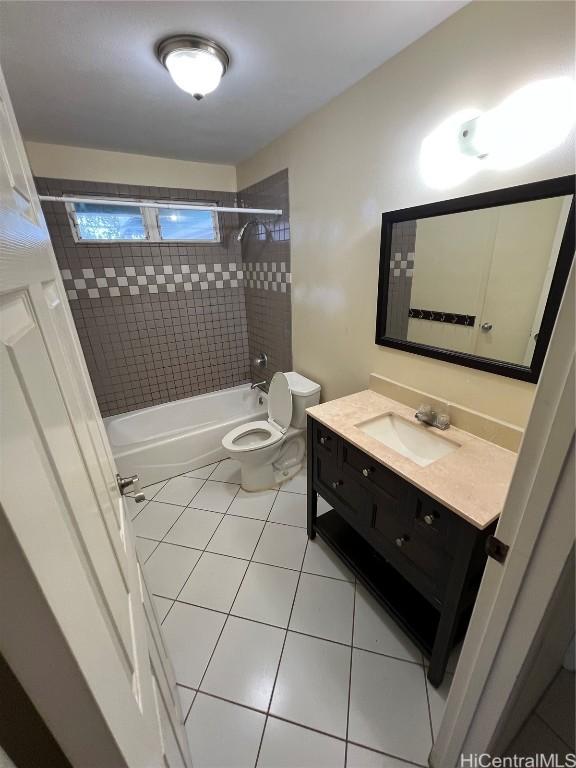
{"x": 83, "y": 72}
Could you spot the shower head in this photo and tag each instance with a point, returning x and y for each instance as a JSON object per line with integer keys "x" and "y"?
{"x": 242, "y": 231}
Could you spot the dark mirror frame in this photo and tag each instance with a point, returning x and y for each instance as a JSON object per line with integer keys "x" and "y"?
{"x": 540, "y": 190}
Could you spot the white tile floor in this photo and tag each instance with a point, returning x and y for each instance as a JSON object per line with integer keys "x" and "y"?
{"x": 273, "y": 642}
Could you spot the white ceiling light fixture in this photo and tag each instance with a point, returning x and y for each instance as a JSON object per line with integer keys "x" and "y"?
{"x": 530, "y": 122}
{"x": 196, "y": 64}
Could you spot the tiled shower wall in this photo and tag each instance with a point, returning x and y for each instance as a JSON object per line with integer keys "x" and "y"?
{"x": 267, "y": 276}
{"x": 157, "y": 322}
{"x": 402, "y": 250}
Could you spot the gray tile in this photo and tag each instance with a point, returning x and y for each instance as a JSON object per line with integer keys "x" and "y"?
{"x": 236, "y": 536}
{"x": 286, "y": 745}
{"x": 168, "y": 567}
{"x": 536, "y": 737}
{"x": 289, "y": 509}
{"x": 324, "y": 608}
{"x": 191, "y": 635}
{"x": 388, "y": 706}
{"x": 312, "y": 684}
{"x": 375, "y": 630}
{"x": 556, "y": 707}
{"x": 156, "y": 519}
{"x": 266, "y": 594}
{"x": 214, "y": 582}
{"x": 243, "y": 667}
{"x": 358, "y": 757}
{"x": 209, "y": 720}
{"x": 281, "y": 545}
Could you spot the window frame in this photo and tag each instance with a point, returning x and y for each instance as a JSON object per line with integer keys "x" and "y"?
{"x": 73, "y": 220}
{"x": 152, "y": 230}
{"x": 152, "y": 224}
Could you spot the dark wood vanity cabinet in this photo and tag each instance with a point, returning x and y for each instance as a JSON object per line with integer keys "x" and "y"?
{"x": 420, "y": 560}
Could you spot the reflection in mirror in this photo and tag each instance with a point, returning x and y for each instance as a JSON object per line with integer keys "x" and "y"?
{"x": 474, "y": 282}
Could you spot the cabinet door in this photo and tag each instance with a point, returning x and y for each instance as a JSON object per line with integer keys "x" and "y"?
{"x": 340, "y": 489}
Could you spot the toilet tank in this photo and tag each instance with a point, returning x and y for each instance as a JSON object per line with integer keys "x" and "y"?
{"x": 305, "y": 394}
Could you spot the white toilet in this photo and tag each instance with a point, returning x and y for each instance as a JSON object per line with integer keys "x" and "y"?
{"x": 273, "y": 451}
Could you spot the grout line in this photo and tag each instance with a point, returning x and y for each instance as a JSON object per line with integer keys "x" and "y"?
{"x": 388, "y": 754}
{"x": 272, "y": 522}
{"x": 281, "y": 653}
{"x": 228, "y": 615}
{"x": 235, "y": 557}
{"x": 286, "y": 628}
{"x": 163, "y": 539}
{"x": 233, "y": 601}
{"x": 267, "y": 713}
{"x": 302, "y": 725}
{"x": 206, "y": 547}
{"x": 428, "y": 704}
{"x": 549, "y": 726}
{"x": 197, "y": 561}
{"x": 350, "y": 679}
{"x": 157, "y": 544}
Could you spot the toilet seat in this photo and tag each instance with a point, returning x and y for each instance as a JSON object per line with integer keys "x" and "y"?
{"x": 251, "y": 437}
{"x": 261, "y": 434}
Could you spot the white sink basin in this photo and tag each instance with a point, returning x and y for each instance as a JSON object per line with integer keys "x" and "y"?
{"x": 421, "y": 444}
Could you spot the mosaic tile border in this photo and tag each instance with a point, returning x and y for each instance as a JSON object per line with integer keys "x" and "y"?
{"x": 442, "y": 317}
{"x": 272, "y": 276}
{"x": 402, "y": 263}
{"x": 94, "y": 283}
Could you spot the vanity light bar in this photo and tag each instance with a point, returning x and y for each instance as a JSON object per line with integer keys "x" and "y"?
{"x": 157, "y": 204}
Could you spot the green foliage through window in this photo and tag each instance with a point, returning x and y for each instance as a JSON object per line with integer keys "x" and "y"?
{"x": 109, "y": 223}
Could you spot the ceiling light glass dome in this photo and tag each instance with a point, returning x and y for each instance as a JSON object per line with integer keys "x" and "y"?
{"x": 195, "y": 64}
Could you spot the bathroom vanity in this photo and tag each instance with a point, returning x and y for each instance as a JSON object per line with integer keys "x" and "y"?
{"x": 412, "y": 520}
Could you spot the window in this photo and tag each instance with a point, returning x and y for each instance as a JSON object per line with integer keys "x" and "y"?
{"x": 98, "y": 221}
{"x": 115, "y": 223}
{"x": 180, "y": 224}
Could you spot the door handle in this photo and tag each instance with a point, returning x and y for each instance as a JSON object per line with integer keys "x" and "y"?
{"x": 130, "y": 484}
{"x": 486, "y": 327}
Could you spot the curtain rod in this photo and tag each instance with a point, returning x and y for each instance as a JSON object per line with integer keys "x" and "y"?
{"x": 157, "y": 204}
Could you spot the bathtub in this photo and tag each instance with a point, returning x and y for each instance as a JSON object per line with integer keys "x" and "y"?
{"x": 165, "y": 440}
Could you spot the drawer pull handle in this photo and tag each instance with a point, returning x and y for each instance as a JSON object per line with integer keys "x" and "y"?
{"x": 367, "y": 471}
{"x": 336, "y": 483}
{"x": 324, "y": 440}
{"x": 428, "y": 519}
{"x": 401, "y": 540}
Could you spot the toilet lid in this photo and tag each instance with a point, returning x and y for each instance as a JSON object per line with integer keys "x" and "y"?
{"x": 280, "y": 401}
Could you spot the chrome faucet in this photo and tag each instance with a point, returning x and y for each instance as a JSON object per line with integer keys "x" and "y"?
{"x": 427, "y": 415}
{"x": 259, "y": 385}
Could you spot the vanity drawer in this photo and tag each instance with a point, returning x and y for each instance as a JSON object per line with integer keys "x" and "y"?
{"x": 325, "y": 440}
{"x": 374, "y": 477}
{"x": 354, "y": 500}
{"x": 389, "y": 531}
{"x": 433, "y": 521}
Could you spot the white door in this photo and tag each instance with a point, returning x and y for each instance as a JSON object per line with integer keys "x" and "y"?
{"x": 61, "y": 507}
{"x": 520, "y": 257}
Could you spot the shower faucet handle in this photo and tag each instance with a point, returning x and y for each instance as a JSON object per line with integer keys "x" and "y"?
{"x": 262, "y": 360}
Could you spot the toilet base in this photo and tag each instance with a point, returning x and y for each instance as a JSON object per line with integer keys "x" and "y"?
{"x": 267, "y": 477}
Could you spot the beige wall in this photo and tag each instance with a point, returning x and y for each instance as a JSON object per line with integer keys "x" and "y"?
{"x": 358, "y": 156}
{"x": 60, "y": 162}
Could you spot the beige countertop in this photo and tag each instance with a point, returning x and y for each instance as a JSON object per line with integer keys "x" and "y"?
{"x": 472, "y": 481}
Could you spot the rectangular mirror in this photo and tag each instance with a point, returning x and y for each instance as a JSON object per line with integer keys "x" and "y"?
{"x": 478, "y": 280}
